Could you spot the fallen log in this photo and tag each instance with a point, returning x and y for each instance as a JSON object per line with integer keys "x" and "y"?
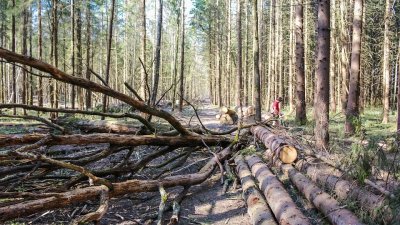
{"x": 100, "y": 126}
{"x": 115, "y": 139}
{"x": 336, "y": 214}
{"x": 79, "y": 195}
{"x": 257, "y": 207}
{"x": 344, "y": 189}
{"x": 282, "y": 205}
{"x": 278, "y": 148}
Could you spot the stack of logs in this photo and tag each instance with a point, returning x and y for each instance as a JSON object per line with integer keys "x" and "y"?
{"x": 231, "y": 116}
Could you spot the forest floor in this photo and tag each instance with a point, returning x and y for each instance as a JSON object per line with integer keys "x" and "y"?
{"x": 206, "y": 203}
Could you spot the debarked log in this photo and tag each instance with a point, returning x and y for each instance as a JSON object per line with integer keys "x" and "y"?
{"x": 277, "y": 147}
{"x": 257, "y": 207}
{"x": 80, "y": 195}
{"x": 115, "y": 139}
{"x": 335, "y": 213}
{"x": 282, "y": 205}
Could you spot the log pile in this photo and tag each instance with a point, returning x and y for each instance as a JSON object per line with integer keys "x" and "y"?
{"x": 227, "y": 116}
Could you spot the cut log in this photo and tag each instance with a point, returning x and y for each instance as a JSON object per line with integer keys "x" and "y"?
{"x": 336, "y": 214}
{"x": 79, "y": 195}
{"x": 226, "y": 110}
{"x": 344, "y": 189}
{"x": 278, "y": 148}
{"x": 115, "y": 139}
{"x": 257, "y": 207}
{"x": 226, "y": 119}
{"x": 282, "y": 205}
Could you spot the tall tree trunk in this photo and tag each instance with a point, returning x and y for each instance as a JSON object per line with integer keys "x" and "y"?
{"x": 14, "y": 69}
{"x": 157, "y": 58}
{"x": 291, "y": 55}
{"x": 79, "y": 54}
{"x": 24, "y": 52}
{"x": 322, "y": 76}
{"x": 398, "y": 90}
{"x": 88, "y": 54}
{"x": 228, "y": 54}
{"x": 239, "y": 84}
{"x": 181, "y": 91}
{"x": 352, "y": 110}
{"x": 175, "y": 64}
{"x": 343, "y": 55}
{"x": 301, "y": 115}
{"x": 54, "y": 56}
{"x": 73, "y": 93}
{"x": 143, "y": 76}
{"x": 246, "y": 58}
{"x": 40, "y": 53}
{"x": 386, "y": 68}
{"x": 256, "y": 64}
{"x": 109, "y": 42}
{"x": 333, "y": 63}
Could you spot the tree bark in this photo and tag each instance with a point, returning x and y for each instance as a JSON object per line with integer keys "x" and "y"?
{"x": 79, "y": 54}
{"x": 73, "y": 89}
{"x": 322, "y": 76}
{"x": 343, "y": 55}
{"x": 256, "y": 63}
{"x": 352, "y": 109}
{"x": 301, "y": 115}
{"x": 109, "y": 42}
{"x": 88, "y": 54}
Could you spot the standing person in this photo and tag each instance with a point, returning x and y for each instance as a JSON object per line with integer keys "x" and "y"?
{"x": 276, "y": 108}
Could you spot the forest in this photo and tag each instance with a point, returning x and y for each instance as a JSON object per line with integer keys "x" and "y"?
{"x": 200, "y": 112}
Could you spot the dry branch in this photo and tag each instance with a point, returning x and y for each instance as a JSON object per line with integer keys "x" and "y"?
{"x": 43, "y": 120}
{"x": 79, "y": 195}
{"x": 76, "y": 111}
{"x": 90, "y": 85}
{"x": 282, "y": 205}
{"x": 115, "y": 139}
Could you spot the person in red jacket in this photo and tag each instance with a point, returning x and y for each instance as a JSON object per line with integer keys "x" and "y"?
{"x": 276, "y": 109}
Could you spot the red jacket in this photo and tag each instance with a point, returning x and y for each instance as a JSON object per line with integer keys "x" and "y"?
{"x": 275, "y": 107}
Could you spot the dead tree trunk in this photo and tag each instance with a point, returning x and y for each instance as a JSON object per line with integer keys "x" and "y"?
{"x": 157, "y": 57}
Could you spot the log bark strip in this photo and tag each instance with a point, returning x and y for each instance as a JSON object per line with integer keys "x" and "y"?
{"x": 282, "y": 205}
{"x": 257, "y": 207}
{"x": 278, "y": 149}
{"x": 115, "y": 139}
{"x": 336, "y": 214}
{"x": 90, "y": 85}
{"x": 79, "y": 195}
